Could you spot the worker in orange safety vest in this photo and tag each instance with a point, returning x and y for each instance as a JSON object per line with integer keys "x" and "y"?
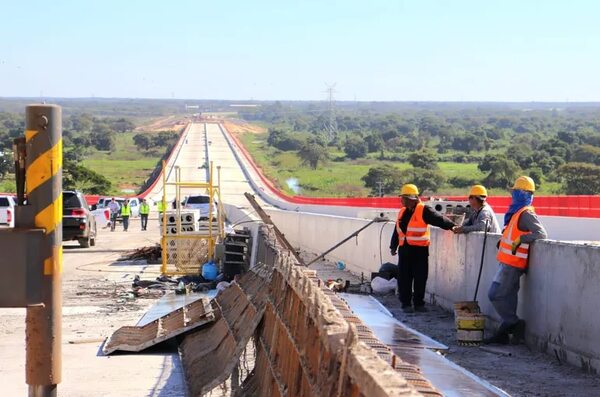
{"x": 410, "y": 240}
{"x": 521, "y": 228}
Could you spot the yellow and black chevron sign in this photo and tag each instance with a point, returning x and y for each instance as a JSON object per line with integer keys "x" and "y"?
{"x": 43, "y": 178}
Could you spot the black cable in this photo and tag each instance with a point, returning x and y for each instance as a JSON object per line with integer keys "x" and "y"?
{"x": 380, "y": 235}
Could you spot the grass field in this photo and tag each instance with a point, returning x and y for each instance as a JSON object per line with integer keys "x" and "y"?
{"x": 342, "y": 178}
{"x": 8, "y": 184}
{"x": 127, "y": 167}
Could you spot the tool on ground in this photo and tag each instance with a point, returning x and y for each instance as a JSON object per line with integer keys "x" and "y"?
{"x": 469, "y": 320}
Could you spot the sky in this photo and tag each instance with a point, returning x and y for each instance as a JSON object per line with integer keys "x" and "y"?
{"x": 419, "y": 50}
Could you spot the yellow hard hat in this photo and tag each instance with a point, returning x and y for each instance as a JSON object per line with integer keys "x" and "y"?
{"x": 409, "y": 190}
{"x": 478, "y": 190}
{"x": 524, "y": 183}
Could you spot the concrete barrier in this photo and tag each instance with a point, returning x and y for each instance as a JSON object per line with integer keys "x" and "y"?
{"x": 558, "y": 295}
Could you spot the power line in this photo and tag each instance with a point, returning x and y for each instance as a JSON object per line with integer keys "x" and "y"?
{"x": 332, "y": 126}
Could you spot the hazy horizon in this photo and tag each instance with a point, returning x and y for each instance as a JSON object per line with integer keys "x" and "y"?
{"x": 388, "y": 51}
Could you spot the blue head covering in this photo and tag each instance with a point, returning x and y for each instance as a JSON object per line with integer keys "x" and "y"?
{"x": 520, "y": 199}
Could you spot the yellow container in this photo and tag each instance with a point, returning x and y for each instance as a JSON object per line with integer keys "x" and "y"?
{"x": 469, "y": 322}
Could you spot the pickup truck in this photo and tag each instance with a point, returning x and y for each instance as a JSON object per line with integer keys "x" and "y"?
{"x": 7, "y": 211}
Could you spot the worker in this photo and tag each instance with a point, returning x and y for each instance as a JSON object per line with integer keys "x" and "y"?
{"x": 160, "y": 206}
{"x": 125, "y": 214}
{"x": 411, "y": 241}
{"x": 144, "y": 211}
{"x": 114, "y": 208}
{"x": 481, "y": 214}
{"x": 521, "y": 228}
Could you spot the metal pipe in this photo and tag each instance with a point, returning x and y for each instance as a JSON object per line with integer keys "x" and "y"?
{"x": 376, "y": 220}
{"x": 43, "y": 175}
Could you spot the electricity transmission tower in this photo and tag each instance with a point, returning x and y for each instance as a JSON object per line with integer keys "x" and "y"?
{"x": 332, "y": 126}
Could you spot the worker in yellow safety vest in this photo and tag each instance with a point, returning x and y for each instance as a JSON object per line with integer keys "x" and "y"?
{"x": 144, "y": 212}
{"x": 160, "y": 206}
{"x": 521, "y": 228}
{"x": 410, "y": 240}
{"x": 125, "y": 214}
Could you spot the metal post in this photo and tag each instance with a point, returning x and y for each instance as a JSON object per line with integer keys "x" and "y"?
{"x": 220, "y": 204}
{"x": 20, "y": 153}
{"x": 211, "y": 243}
{"x": 43, "y": 179}
{"x": 163, "y": 239}
{"x": 178, "y": 242}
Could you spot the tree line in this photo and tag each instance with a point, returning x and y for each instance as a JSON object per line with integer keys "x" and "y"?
{"x": 81, "y": 133}
{"x": 554, "y": 145}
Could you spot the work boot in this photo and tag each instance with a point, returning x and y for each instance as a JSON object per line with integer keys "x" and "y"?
{"x": 407, "y": 309}
{"x": 500, "y": 337}
{"x": 518, "y": 333}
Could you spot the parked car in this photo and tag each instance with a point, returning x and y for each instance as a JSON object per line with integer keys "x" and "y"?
{"x": 7, "y": 210}
{"x": 201, "y": 202}
{"x": 78, "y": 221}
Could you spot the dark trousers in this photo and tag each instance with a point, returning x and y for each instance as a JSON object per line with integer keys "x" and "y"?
{"x": 413, "y": 268}
{"x": 113, "y": 221}
{"x": 144, "y": 218}
{"x": 125, "y": 222}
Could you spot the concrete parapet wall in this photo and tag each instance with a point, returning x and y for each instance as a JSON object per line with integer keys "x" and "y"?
{"x": 558, "y": 296}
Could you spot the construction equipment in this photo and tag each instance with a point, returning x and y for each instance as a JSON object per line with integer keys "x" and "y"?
{"x": 187, "y": 243}
{"x": 236, "y": 259}
{"x": 469, "y": 320}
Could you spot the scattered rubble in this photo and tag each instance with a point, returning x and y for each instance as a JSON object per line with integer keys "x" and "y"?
{"x": 152, "y": 254}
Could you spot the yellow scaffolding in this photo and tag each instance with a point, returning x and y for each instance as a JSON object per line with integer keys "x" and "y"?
{"x": 187, "y": 251}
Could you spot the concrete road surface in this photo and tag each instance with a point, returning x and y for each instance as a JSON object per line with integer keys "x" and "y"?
{"x": 96, "y": 302}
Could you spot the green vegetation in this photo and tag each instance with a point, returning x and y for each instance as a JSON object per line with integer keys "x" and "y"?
{"x": 100, "y": 155}
{"x": 126, "y": 167}
{"x": 443, "y": 148}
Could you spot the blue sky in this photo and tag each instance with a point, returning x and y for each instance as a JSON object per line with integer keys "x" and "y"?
{"x": 373, "y": 50}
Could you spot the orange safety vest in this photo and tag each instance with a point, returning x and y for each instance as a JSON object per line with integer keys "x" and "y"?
{"x": 510, "y": 234}
{"x": 417, "y": 231}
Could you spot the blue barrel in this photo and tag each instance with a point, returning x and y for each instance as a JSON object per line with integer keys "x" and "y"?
{"x": 209, "y": 271}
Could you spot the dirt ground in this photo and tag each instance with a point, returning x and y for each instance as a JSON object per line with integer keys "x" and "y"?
{"x": 514, "y": 369}
{"x": 238, "y": 127}
{"x": 167, "y": 123}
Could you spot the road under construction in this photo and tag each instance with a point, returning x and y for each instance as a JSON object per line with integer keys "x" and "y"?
{"x": 278, "y": 330}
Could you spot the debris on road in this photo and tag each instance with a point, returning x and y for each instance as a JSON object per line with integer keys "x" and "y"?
{"x": 150, "y": 253}
{"x": 177, "y": 322}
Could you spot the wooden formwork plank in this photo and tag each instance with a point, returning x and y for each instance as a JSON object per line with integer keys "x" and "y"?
{"x": 138, "y": 338}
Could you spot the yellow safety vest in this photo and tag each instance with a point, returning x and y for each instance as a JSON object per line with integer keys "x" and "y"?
{"x": 125, "y": 210}
{"x": 144, "y": 209}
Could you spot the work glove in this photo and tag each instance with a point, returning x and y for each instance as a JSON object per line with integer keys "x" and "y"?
{"x": 393, "y": 252}
{"x": 516, "y": 245}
